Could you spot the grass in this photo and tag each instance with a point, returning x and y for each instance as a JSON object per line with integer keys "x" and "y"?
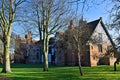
{"x": 35, "y": 72}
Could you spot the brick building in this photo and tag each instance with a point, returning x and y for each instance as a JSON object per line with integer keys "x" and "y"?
{"x": 28, "y": 50}
{"x": 94, "y": 53}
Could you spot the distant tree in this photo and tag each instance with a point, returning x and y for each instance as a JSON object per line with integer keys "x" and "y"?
{"x": 7, "y": 15}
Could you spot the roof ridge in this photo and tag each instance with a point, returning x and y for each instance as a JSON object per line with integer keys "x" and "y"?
{"x": 94, "y": 21}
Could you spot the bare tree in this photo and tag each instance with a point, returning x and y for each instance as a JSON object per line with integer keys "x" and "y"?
{"x": 48, "y": 16}
{"x": 115, "y": 25}
{"x": 77, "y": 37}
{"x": 7, "y": 15}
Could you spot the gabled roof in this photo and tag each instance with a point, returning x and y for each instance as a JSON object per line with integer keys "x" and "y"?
{"x": 93, "y": 24}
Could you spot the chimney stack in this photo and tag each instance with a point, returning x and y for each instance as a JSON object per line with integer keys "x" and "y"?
{"x": 71, "y": 24}
{"x": 100, "y": 18}
{"x": 29, "y": 37}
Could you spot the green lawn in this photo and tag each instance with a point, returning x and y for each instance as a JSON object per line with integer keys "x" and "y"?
{"x": 34, "y": 72}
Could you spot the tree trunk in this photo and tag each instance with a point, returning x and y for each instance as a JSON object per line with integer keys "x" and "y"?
{"x": 45, "y": 62}
{"x": 115, "y": 63}
{"x": 79, "y": 63}
{"x": 45, "y": 26}
{"x": 6, "y": 39}
{"x": 115, "y": 66}
{"x": 6, "y": 56}
{"x": 45, "y": 52}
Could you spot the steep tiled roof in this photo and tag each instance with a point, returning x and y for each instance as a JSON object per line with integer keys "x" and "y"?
{"x": 92, "y": 25}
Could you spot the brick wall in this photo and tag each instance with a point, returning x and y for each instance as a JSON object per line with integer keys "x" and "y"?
{"x": 90, "y": 56}
{"x": 97, "y": 58}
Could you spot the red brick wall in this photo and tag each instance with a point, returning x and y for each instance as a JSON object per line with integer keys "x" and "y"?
{"x": 97, "y": 57}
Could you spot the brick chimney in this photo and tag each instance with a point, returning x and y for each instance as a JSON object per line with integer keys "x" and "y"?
{"x": 71, "y": 24}
{"x": 17, "y": 36}
{"x": 29, "y": 37}
{"x": 82, "y": 23}
{"x": 100, "y": 18}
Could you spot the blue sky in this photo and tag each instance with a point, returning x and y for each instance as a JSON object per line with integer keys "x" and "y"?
{"x": 101, "y": 10}
{"x": 96, "y": 10}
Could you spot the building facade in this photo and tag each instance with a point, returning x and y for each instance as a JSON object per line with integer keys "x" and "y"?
{"x": 94, "y": 53}
{"x": 30, "y": 51}
{"x": 27, "y": 50}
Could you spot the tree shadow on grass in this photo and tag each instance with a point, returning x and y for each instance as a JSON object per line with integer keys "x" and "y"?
{"x": 29, "y": 65}
{"x": 43, "y": 76}
{"x": 23, "y": 78}
{"x": 26, "y": 65}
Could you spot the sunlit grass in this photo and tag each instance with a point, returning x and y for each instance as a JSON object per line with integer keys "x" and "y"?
{"x": 35, "y": 72}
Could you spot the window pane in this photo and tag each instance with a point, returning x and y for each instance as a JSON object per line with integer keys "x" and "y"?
{"x": 99, "y": 47}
